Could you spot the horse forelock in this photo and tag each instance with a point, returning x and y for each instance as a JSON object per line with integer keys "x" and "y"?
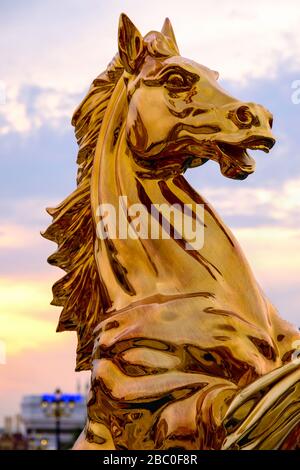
{"x": 158, "y": 45}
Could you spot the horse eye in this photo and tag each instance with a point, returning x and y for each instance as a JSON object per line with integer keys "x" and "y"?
{"x": 175, "y": 81}
{"x": 209, "y": 357}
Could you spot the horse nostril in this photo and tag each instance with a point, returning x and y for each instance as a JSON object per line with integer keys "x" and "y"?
{"x": 271, "y": 122}
{"x": 244, "y": 115}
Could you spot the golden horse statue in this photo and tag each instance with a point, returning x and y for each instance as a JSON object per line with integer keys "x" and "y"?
{"x": 185, "y": 349}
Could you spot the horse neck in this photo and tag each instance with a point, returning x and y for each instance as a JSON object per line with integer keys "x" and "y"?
{"x": 138, "y": 270}
{"x": 130, "y": 268}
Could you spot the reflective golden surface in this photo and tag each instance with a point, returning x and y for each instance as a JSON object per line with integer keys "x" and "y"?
{"x": 185, "y": 349}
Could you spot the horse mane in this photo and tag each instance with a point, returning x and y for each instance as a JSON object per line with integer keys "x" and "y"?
{"x": 80, "y": 292}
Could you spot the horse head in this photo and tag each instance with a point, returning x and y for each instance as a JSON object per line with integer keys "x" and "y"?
{"x": 178, "y": 115}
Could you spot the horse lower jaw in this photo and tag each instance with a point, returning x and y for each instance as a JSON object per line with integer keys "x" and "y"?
{"x": 235, "y": 171}
{"x": 234, "y": 161}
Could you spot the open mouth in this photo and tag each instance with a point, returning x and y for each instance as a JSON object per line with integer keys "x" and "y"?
{"x": 234, "y": 160}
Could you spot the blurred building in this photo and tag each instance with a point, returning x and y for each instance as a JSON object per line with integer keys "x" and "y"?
{"x": 14, "y": 441}
{"x": 40, "y": 422}
{"x": 11, "y": 436}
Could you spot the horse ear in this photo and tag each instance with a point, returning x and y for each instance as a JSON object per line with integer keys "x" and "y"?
{"x": 168, "y": 31}
{"x": 131, "y": 44}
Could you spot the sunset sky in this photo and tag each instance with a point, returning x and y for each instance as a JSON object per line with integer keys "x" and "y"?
{"x": 50, "y": 52}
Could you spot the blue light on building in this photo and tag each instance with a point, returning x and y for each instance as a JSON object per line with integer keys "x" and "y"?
{"x": 64, "y": 397}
